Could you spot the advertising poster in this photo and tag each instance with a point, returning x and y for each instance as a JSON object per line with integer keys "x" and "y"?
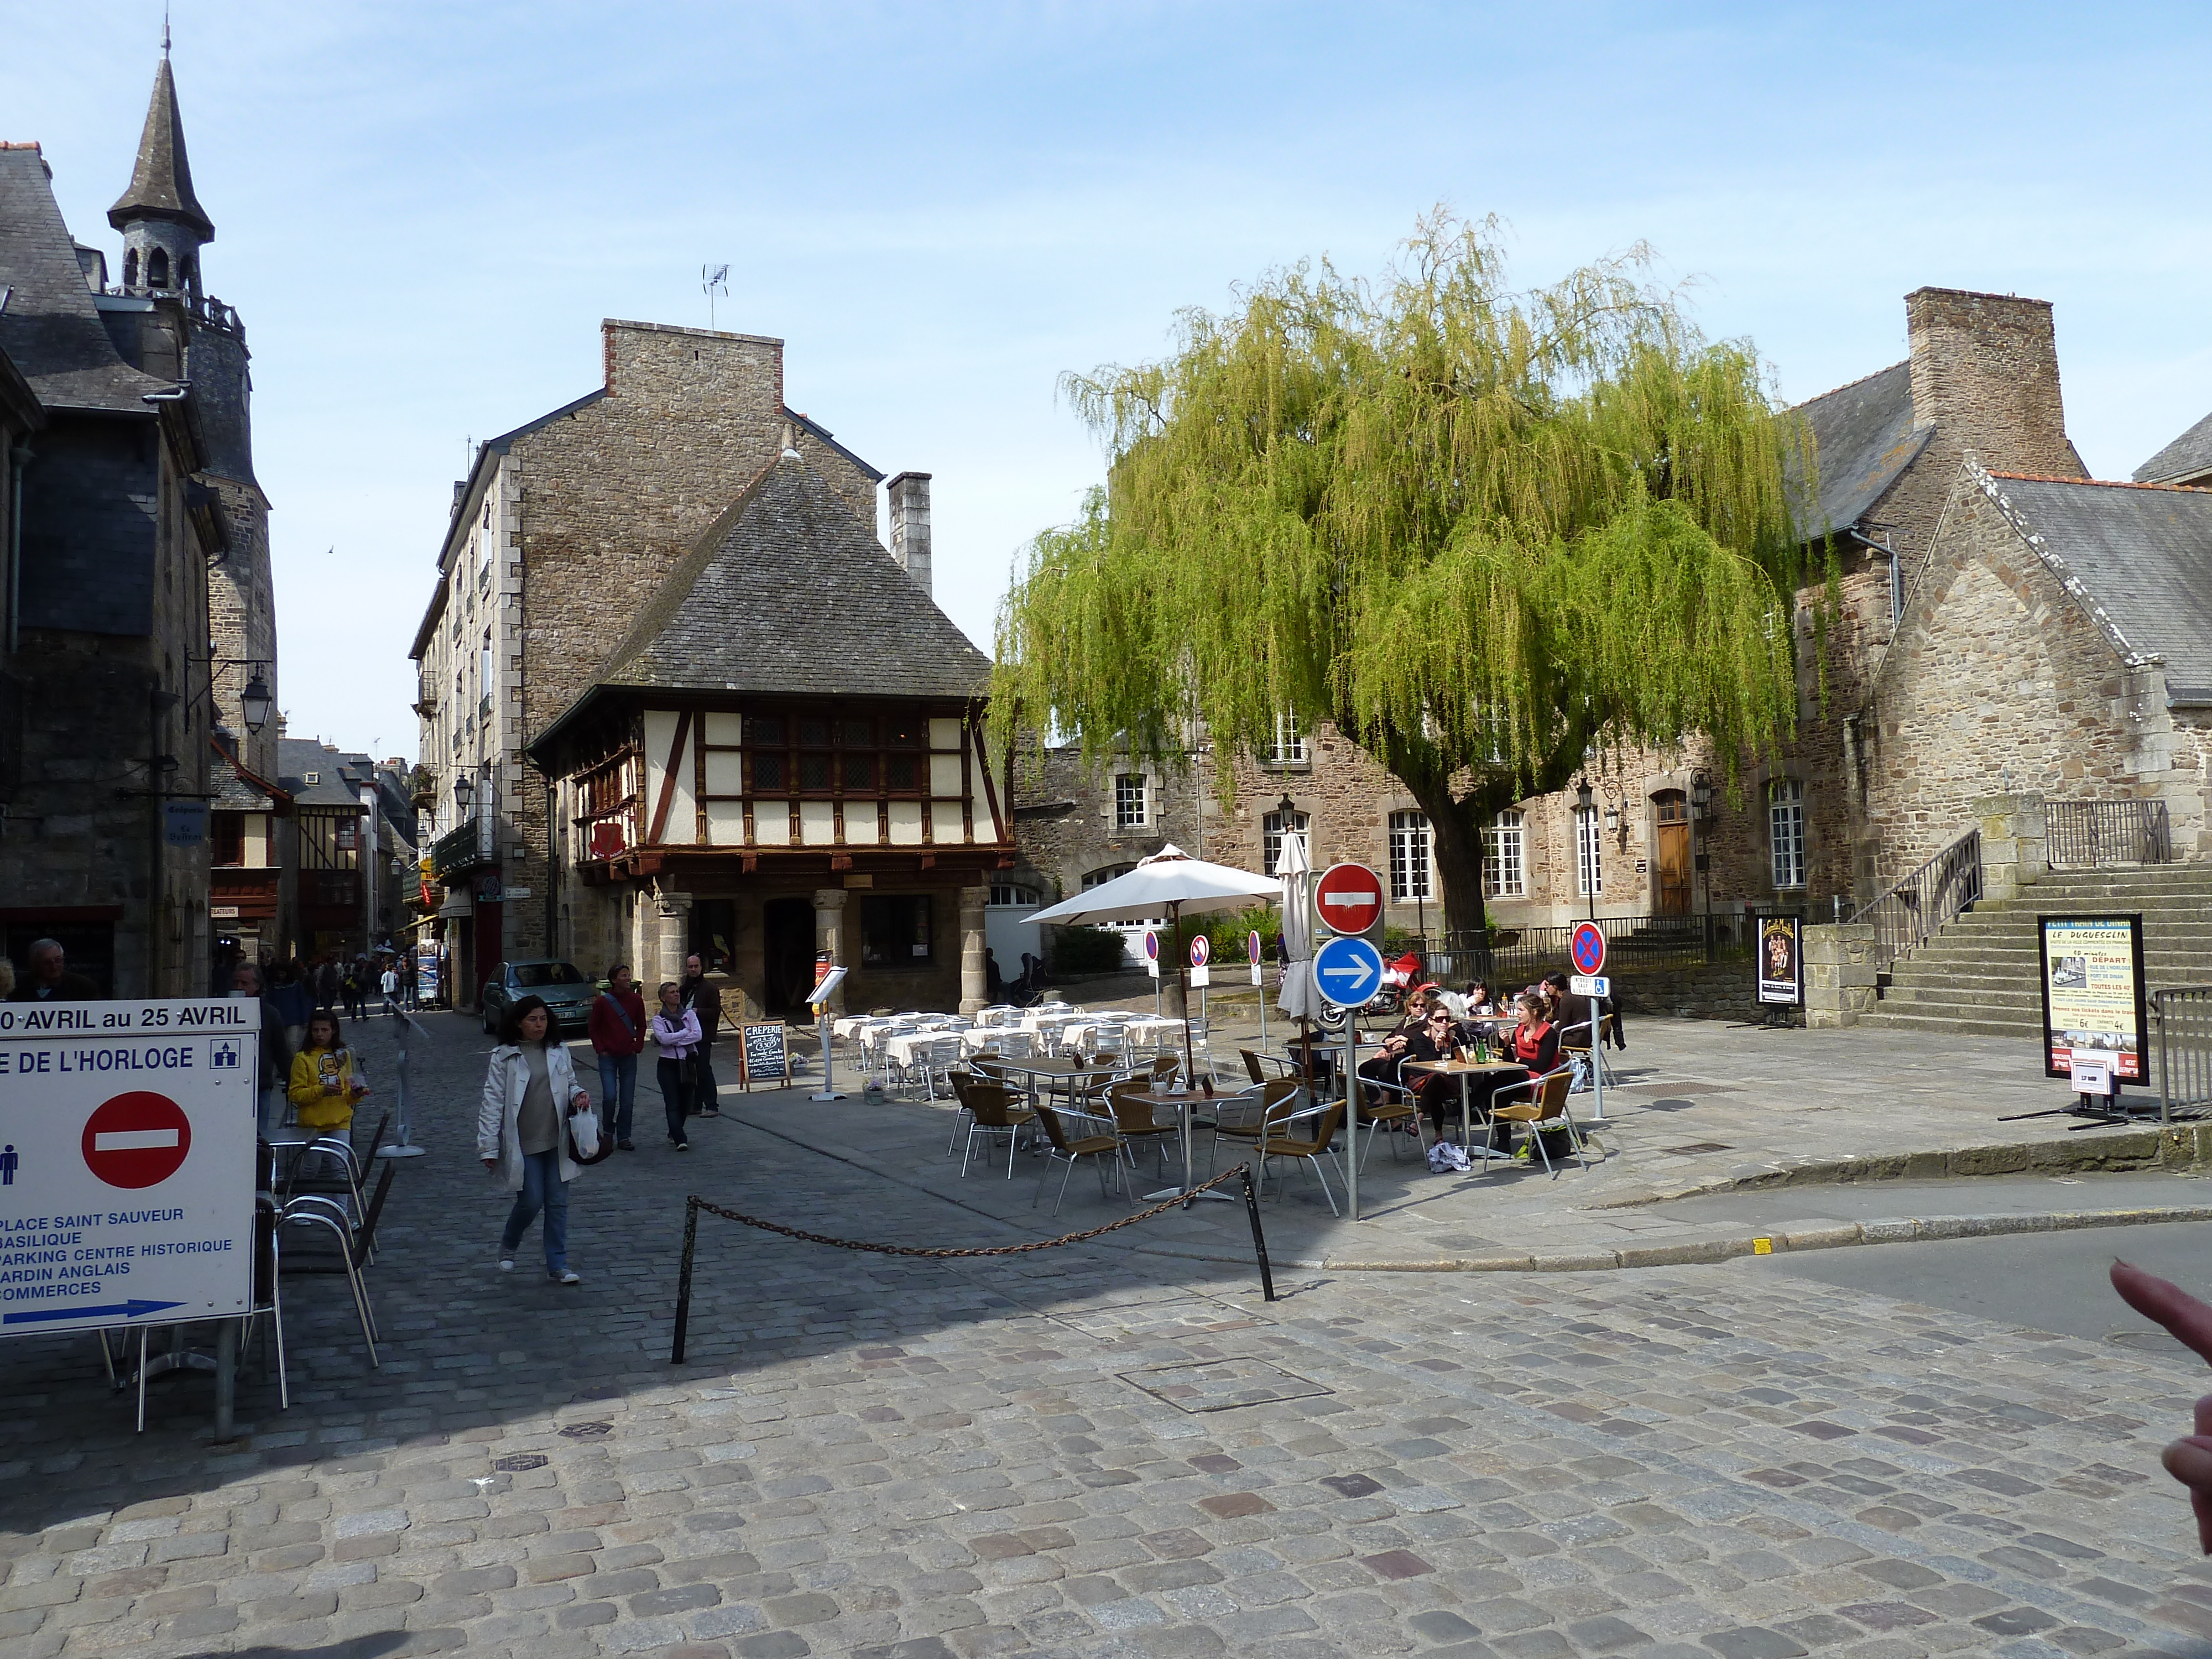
{"x": 1781, "y": 962}
{"x": 126, "y": 1162}
{"x": 2092, "y": 995}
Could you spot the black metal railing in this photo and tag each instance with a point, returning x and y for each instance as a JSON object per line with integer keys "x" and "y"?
{"x": 1908, "y": 916}
{"x": 467, "y": 847}
{"x": 2181, "y": 1033}
{"x": 2094, "y": 835}
{"x": 1511, "y": 956}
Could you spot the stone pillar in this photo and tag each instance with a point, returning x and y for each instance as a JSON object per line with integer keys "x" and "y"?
{"x": 829, "y": 932}
{"x": 672, "y": 914}
{"x": 2015, "y": 847}
{"x": 975, "y": 983}
{"x": 1839, "y": 969}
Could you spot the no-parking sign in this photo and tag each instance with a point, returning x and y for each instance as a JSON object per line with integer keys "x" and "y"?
{"x": 126, "y": 1162}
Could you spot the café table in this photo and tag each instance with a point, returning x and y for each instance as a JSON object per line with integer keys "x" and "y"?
{"x": 1047, "y": 1071}
{"x": 1181, "y": 1103}
{"x": 1463, "y": 1070}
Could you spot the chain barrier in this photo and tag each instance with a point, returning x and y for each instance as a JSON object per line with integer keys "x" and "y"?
{"x": 694, "y": 1204}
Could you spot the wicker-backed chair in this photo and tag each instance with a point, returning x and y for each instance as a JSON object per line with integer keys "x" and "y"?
{"x": 991, "y": 1111}
{"x": 1543, "y": 1108}
{"x": 1312, "y": 1150}
{"x": 1071, "y": 1149}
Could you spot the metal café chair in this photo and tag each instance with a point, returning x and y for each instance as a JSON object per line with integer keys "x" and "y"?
{"x": 1544, "y": 1108}
{"x": 1310, "y": 1150}
{"x": 994, "y": 1111}
{"x": 1071, "y": 1149}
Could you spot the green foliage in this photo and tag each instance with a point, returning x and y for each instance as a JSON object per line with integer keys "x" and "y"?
{"x": 1082, "y": 950}
{"x": 1481, "y": 529}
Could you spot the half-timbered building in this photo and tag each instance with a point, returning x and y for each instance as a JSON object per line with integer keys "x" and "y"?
{"x": 784, "y": 755}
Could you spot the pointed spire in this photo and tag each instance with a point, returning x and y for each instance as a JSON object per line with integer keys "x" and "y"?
{"x": 161, "y": 183}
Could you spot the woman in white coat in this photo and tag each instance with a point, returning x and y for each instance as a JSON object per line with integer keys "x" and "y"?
{"x": 522, "y": 1132}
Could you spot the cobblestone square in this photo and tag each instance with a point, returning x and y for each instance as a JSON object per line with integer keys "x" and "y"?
{"x": 887, "y": 1456}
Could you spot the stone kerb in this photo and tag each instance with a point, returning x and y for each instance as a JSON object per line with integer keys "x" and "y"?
{"x": 2015, "y": 843}
{"x": 1839, "y": 973}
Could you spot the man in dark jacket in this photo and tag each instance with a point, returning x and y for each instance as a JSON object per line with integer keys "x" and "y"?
{"x": 706, "y": 1001}
{"x": 246, "y": 984}
{"x": 51, "y": 979}
{"x": 1575, "y": 1013}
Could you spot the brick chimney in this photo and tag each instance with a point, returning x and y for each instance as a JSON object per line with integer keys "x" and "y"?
{"x": 1985, "y": 371}
{"x": 909, "y": 498}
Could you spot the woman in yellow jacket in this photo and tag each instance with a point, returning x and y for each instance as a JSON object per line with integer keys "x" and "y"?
{"x": 323, "y": 1086}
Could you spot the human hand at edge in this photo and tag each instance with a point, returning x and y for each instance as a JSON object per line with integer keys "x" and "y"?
{"x": 2188, "y": 1460}
{"x": 492, "y": 1165}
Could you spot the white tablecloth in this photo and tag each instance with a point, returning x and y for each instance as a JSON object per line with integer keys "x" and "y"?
{"x": 902, "y": 1048}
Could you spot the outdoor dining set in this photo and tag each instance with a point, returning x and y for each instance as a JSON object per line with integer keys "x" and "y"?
{"x": 1108, "y": 1088}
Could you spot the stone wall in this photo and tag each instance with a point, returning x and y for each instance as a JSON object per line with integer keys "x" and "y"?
{"x": 605, "y": 503}
{"x": 2000, "y": 682}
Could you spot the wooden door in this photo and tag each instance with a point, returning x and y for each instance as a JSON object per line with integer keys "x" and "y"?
{"x": 1672, "y": 848}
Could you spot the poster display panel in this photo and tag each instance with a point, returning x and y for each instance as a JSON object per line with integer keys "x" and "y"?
{"x": 1781, "y": 967}
{"x": 126, "y": 1162}
{"x": 2092, "y": 969}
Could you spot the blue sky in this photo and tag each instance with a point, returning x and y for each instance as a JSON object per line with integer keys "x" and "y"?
{"x": 423, "y": 212}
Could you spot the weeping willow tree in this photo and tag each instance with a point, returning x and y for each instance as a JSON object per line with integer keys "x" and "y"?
{"x": 1486, "y": 532}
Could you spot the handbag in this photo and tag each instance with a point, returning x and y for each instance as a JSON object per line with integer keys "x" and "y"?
{"x": 587, "y": 1143}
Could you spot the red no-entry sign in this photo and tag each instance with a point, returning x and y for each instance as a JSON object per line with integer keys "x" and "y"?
{"x": 1348, "y": 898}
{"x": 137, "y": 1139}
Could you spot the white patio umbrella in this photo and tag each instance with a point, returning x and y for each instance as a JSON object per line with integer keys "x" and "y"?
{"x": 1168, "y": 883}
{"x": 1298, "y": 997}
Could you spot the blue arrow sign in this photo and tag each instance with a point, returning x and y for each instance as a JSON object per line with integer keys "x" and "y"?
{"x": 128, "y": 1310}
{"x": 1348, "y": 970}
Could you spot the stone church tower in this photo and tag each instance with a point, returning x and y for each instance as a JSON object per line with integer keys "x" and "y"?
{"x": 164, "y": 322}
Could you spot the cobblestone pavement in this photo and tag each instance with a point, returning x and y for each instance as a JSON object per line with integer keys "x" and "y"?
{"x": 1085, "y": 1452}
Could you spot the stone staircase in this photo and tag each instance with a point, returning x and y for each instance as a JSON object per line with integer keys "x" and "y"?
{"x": 1977, "y": 977}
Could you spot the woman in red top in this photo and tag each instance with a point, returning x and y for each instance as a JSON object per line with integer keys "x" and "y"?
{"x": 1533, "y": 1045}
{"x": 618, "y": 1028}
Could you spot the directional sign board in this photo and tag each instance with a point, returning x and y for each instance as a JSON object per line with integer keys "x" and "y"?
{"x": 1589, "y": 948}
{"x": 1348, "y": 898}
{"x": 126, "y": 1162}
{"x": 1348, "y": 969}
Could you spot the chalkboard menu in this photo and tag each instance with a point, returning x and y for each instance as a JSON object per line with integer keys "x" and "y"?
{"x": 765, "y": 1058}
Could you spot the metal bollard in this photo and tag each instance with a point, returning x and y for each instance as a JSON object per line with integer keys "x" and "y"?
{"x": 684, "y": 1279}
{"x": 1258, "y": 1240}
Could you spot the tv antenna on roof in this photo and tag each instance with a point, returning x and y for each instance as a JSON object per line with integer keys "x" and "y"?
{"x": 712, "y": 279}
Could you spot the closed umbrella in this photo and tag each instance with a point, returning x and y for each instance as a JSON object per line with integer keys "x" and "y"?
{"x": 1298, "y": 997}
{"x": 1168, "y": 883}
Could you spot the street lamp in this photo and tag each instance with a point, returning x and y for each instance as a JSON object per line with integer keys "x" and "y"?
{"x": 465, "y": 790}
{"x": 1701, "y": 794}
{"x": 1586, "y": 851}
{"x": 255, "y": 704}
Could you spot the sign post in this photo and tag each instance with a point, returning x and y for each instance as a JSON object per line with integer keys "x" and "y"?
{"x": 1596, "y": 987}
{"x": 1252, "y": 952}
{"x": 826, "y": 981}
{"x": 402, "y": 1142}
{"x": 1348, "y": 969}
{"x": 126, "y": 1168}
{"x": 1153, "y": 966}
{"x": 1201, "y": 975}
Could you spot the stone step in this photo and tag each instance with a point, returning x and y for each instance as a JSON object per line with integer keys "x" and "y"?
{"x": 2007, "y": 996}
{"x": 1946, "y": 1024}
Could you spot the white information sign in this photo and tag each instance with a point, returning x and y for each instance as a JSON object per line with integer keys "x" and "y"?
{"x": 2092, "y": 1072}
{"x": 1589, "y": 985}
{"x": 126, "y": 1162}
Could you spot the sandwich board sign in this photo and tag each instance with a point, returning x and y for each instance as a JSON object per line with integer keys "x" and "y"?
{"x": 126, "y": 1162}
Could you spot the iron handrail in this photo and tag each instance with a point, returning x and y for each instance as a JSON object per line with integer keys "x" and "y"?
{"x": 1909, "y": 915}
{"x": 2096, "y": 835}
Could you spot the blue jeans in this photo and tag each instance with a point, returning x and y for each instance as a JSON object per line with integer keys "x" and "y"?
{"x": 542, "y": 1189}
{"x": 617, "y": 1081}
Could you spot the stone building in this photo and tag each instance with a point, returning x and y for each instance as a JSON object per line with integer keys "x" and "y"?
{"x": 1665, "y": 834}
{"x": 784, "y": 756}
{"x": 106, "y": 764}
{"x": 561, "y": 531}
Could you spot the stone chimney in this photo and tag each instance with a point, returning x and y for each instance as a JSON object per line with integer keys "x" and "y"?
{"x": 909, "y": 497}
{"x": 1985, "y": 371}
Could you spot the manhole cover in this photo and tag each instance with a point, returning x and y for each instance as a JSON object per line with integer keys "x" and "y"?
{"x": 1696, "y": 1147}
{"x": 1184, "y": 1315}
{"x": 1220, "y": 1385}
{"x": 2155, "y": 1342}
{"x": 518, "y": 1464}
{"x": 587, "y": 1431}
{"x": 595, "y": 1394}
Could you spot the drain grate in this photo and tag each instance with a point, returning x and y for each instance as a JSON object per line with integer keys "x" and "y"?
{"x": 1221, "y": 1385}
{"x": 520, "y": 1463}
{"x": 587, "y": 1430}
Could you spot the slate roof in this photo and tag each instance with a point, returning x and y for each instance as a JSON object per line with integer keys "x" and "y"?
{"x": 2188, "y": 456}
{"x": 162, "y": 182}
{"x": 787, "y": 594}
{"x": 2142, "y": 553}
{"x": 297, "y": 756}
{"x": 1863, "y": 437}
{"x": 49, "y": 326}
{"x": 238, "y": 788}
